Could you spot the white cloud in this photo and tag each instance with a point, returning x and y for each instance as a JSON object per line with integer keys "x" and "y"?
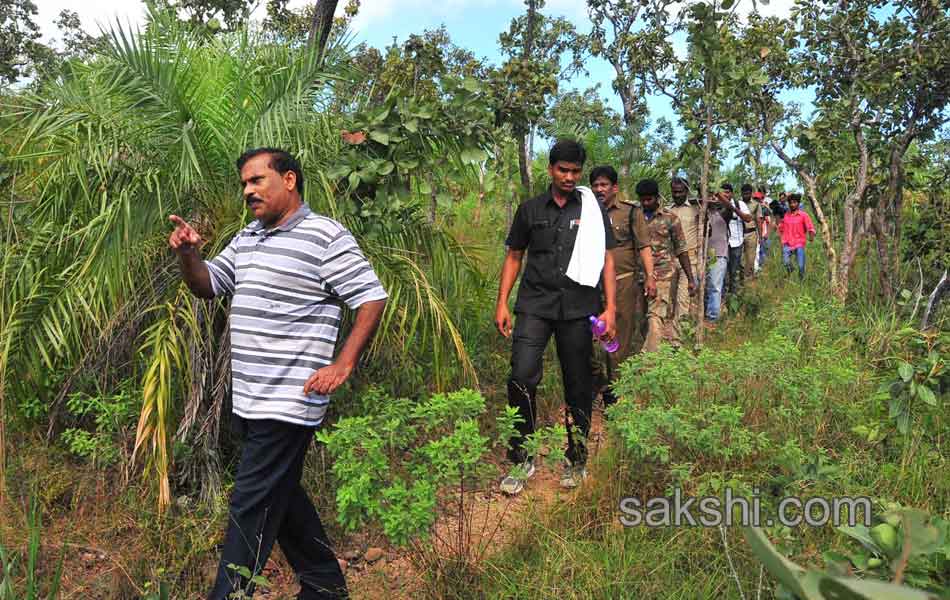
{"x": 92, "y": 14}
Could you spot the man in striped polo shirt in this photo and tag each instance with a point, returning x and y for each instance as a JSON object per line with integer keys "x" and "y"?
{"x": 289, "y": 272}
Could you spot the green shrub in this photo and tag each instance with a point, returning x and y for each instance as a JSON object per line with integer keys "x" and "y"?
{"x": 107, "y": 418}
{"x": 391, "y": 463}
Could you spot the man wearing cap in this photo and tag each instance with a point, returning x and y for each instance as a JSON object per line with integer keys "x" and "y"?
{"x": 687, "y": 211}
{"x": 667, "y": 241}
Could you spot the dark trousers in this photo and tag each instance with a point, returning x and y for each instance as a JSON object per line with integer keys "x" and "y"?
{"x": 734, "y": 269}
{"x": 268, "y": 504}
{"x": 574, "y": 344}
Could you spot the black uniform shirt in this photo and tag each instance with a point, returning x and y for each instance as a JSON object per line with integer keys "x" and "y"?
{"x": 548, "y": 232}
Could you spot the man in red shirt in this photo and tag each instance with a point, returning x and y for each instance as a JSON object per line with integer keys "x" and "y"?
{"x": 795, "y": 226}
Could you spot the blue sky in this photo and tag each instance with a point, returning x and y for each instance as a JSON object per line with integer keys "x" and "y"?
{"x": 472, "y": 24}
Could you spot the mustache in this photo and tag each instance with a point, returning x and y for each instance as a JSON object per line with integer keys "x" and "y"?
{"x": 251, "y": 199}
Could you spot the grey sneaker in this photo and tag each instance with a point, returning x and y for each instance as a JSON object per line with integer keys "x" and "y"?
{"x": 573, "y": 475}
{"x": 519, "y": 474}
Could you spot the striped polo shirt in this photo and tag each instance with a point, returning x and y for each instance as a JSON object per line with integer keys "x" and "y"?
{"x": 289, "y": 285}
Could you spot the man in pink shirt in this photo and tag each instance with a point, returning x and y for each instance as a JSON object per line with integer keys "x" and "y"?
{"x": 795, "y": 226}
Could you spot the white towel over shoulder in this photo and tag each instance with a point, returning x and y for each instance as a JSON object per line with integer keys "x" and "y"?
{"x": 587, "y": 259}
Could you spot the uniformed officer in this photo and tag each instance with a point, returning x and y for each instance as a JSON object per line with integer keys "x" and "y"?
{"x": 633, "y": 246}
{"x": 549, "y": 302}
{"x": 667, "y": 241}
{"x": 687, "y": 211}
{"x": 750, "y": 233}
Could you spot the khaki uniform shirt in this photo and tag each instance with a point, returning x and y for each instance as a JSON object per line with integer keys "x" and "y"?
{"x": 630, "y": 233}
{"x": 688, "y": 214}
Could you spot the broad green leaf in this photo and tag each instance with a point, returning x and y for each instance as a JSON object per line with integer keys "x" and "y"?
{"x": 862, "y": 534}
{"x": 927, "y": 395}
{"x": 425, "y": 188}
{"x": 386, "y": 168}
{"x": 925, "y": 538}
{"x": 905, "y": 371}
{"x": 851, "y": 588}
{"x": 338, "y": 171}
{"x": 379, "y": 136}
{"x": 787, "y": 572}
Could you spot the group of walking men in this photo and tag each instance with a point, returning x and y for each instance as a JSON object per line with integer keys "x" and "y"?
{"x": 647, "y": 259}
{"x": 290, "y": 271}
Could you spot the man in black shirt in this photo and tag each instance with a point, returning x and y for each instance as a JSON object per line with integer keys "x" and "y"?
{"x": 549, "y": 302}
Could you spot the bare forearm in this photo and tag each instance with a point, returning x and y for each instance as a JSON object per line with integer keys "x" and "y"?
{"x": 195, "y": 273}
{"x": 509, "y": 273}
{"x": 367, "y": 320}
{"x": 683, "y": 257}
{"x": 646, "y": 257}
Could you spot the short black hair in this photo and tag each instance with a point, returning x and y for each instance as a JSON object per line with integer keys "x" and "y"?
{"x": 795, "y": 198}
{"x": 567, "y": 151}
{"x": 680, "y": 181}
{"x": 746, "y": 187}
{"x": 280, "y": 160}
{"x": 648, "y": 187}
{"x": 726, "y": 186}
{"x": 603, "y": 171}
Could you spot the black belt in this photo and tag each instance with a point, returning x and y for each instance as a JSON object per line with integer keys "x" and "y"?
{"x": 748, "y": 231}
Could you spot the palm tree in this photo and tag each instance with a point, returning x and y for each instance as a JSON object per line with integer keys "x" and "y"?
{"x": 151, "y": 127}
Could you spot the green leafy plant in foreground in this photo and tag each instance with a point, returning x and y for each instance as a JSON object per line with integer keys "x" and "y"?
{"x": 921, "y": 381}
{"x": 392, "y": 462}
{"x": 906, "y": 546}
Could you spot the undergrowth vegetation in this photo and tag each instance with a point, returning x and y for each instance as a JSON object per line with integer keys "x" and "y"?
{"x": 116, "y": 458}
{"x": 790, "y": 404}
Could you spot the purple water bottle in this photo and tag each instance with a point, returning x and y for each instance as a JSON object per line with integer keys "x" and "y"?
{"x": 599, "y": 328}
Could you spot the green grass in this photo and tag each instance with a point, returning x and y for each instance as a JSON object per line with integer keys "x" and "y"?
{"x": 576, "y": 549}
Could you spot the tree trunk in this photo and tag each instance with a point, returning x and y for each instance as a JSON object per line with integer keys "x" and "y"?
{"x": 509, "y": 213}
{"x": 885, "y": 270}
{"x": 703, "y": 238}
{"x": 887, "y": 228}
{"x": 852, "y": 234}
{"x": 826, "y": 236}
{"x": 524, "y": 163}
{"x": 943, "y": 286}
{"x": 320, "y": 24}
{"x": 524, "y": 160}
{"x": 531, "y": 145}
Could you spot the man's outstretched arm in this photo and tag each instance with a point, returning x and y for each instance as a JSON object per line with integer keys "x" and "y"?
{"x": 184, "y": 241}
